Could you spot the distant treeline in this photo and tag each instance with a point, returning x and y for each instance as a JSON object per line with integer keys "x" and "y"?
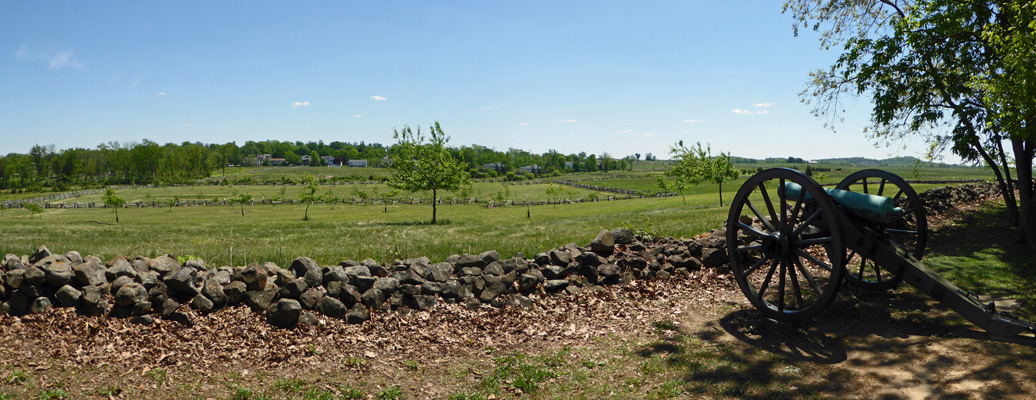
{"x": 149, "y": 163}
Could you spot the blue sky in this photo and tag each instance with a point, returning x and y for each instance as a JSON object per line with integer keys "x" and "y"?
{"x": 601, "y": 76}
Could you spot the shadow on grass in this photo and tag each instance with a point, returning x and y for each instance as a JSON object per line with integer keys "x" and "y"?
{"x": 411, "y": 223}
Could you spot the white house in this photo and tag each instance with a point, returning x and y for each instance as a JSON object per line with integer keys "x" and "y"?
{"x": 358, "y": 163}
{"x": 329, "y": 160}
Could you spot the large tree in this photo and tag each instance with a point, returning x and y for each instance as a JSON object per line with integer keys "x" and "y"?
{"x": 957, "y": 72}
{"x": 425, "y": 163}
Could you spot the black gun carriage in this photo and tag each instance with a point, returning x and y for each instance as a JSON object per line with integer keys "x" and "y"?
{"x": 792, "y": 242}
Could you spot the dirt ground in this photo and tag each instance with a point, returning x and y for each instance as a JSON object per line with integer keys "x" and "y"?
{"x": 895, "y": 345}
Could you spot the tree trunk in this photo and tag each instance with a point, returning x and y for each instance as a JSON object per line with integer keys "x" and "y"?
{"x": 1023, "y": 153}
{"x": 116, "y": 215}
{"x": 721, "y": 194}
{"x": 433, "y": 206}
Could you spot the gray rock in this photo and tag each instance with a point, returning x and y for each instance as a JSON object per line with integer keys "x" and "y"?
{"x": 590, "y": 259}
{"x": 470, "y": 261}
{"x": 419, "y": 271}
{"x": 307, "y": 269}
{"x": 431, "y": 288}
{"x": 362, "y": 283}
{"x": 559, "y": 257}
{"x": 471, "y": 303}
{"x": 410, "y": 289}
{"x": 527, "y": 283}
{"x": 456, "y": 290}
{"x": 335, "y": 273}
{"x": 168, "y": 307}
{"x": 714, "y": 257}
{"x": 522, "y": 302}
{"x": 235, "y": 292}
{"x": 213, "y": 290}
{"x": 142, "y": 320}
{"x": 68, "y": 296}
{"x": 358, "y": 314}
{"x": 40, "y": 254}
{"x": 554, "y": 285}
{"x": 284, "y": 313}
{"x": 373, "y": 298}
{"x": 140, "y": 308}
{"x": 420, "y": 302}
{"x": 259, "y": 300}
{"x": 12, "y": 262}
{"x": 254, "y": 277}
{"x": 34, "y": 276}
{"x": 603, "y": 243}
{"x": 181, "y": 317}
{"x": 358, "y": 270}
{"x": 184, "y": 281}
{"x": 608, "y": 270}
{"x": 350, "y": 295}
{"x": 121, "y": 267}
{"x": 195, "y": 264}
{"x": 554, "y": 272}
{"x": 470, "y": 271}
{"x": 310, "y": 298}
{"x": 39, "y": 305}
{"x": 294, "y": 289}
{"x": 622, "y": 236}
{"x": 141, "y": 265}
{"x": 388, "y": 285}
{"x": 332, "y": 307}
{"x": 92, "y": 301}
{"x": 378, "y": 270}
{"x": 164, "y": 265}
{"x": 89, "y": 273}
{"x": 491, "y": 291}
{"x": 494, "y": 268}
{"x": 57, "y": 271}
{"x": 490, "y": 256}
{"x": 32, "y": 291}
{"x": 202, "y": 304}
{"x": 573, "y": 290}
{"x": 439, "y": 272}
{"x": 19, "y": 303}
{"x": 120, "y": 282}
{"x": 542, "y": 259}
{"x": 281, "y": 276}
{"x": 130, "y": 294}
{"x": 14, "y": 278}
{"x": 308, "y": 318}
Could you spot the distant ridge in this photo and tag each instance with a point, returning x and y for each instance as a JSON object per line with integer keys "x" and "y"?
{"x": 906, "y": 161}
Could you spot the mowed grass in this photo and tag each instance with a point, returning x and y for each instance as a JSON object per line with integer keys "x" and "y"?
{"x": 222, "y": 236}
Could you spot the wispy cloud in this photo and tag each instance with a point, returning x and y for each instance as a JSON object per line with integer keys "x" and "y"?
{"x": 186, "y": 124}
{"x": 23, "y": 51}
{"x": 160, "y": 94}
{"x": 64, "y": 59}
{"x": 762, "y": 105}
{"x": 763, "y": 112}
{"x": 298, "y": 104}
{"x": 624, "y": 131}
{"x": 358, "y": 116}
{"x": 491, "y": 107}
{"x": 524, "y": 124}
{"x": 378, "y": 98}
{"x": 647, "y": 134}
{"x": 740, "y": 111}
{"x": 567, "y": 120}
{"x": 293, "y": 125}
{"x": 691, "y": 121}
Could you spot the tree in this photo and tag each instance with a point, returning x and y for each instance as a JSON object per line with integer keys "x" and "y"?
{"x": 960, "y": 73}
{"x": 242, "y": 199}
{"x": 673, "y": 185}
{"x": 553, "y": 192}
{"x": 717, "y": 169}
{"x": 113, "y": 201}
{"x": 33, "y": 209}
{"x": 421, "y": 163}
{"x": 308, "y": 194}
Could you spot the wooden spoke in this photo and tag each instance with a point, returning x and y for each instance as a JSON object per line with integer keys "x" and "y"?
{"x": 766, "y": 223}
{"x": 784, "y": 205}
{"x": 881, "y": 189}
{"x": 752, "y": 230}
{"x": 781, "y": 285}
{"x": 795, "y": 210}
{"x": 766, "y": 281}
{"x": 804, "y": 224}
{"x": 805, "y": 255}
{"x": 769, "y": 204}
{"x": 795, "y": 287}
{"x": 901, "y": 231}
{"x": 805, "y": 274}
{"x": 810, "y": 242}
{"x": 756, "y": 266}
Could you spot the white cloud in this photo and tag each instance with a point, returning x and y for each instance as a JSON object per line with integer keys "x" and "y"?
{"x": 161, "y": 94}
{"x": 762, "y": 105}
{"x": 763, "y": 112}
{"x": 567, "y": 120}
{"x": 358, "y": 116}
{"x": 740, "y": 111}
{"x": 624, "y": 131}
{"x": 647, "y": 134}
{"x": 691, "y": 121}
{"x": 378, "y": 98}
{"x": 491, "y": 107}
{"x": 64, "y": 59}
{"x": 524, "y": 124}
{"x": 186, "y": 124}
{"x": 298, "y": 104}
{"x": 293, "y": 125}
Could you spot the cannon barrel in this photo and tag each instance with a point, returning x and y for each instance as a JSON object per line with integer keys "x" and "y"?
{"x": 866, "y": 205}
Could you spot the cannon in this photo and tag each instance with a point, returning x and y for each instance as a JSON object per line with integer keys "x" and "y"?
{"x": 791, "y": 243}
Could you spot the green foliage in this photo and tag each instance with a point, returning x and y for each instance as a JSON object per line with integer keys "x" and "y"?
{"x": 390, "y": 393}
{"x": 308, "y": 194}
{"x": 52, "y": 394}
{"x": 553, "y": 191}
{"x": 242, "y": 199}
{"x": 421, "y": 163}
{"x": 33, "y": 209}
{"x": 695, "y": 165}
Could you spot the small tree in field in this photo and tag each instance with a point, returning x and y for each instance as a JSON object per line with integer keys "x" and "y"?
{"x": 696, "y": 164}
{"x": 309, "y": 193}
{"x": 553, "y": 192}
{"x": 34, "y": 209}
{"x": 113, "y": 201}
{"x": 421, "y": 163}
{"x": 242, "y": 199}
{"x": 675, "y": 185}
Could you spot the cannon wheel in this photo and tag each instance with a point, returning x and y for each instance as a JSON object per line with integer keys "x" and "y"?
{"x": 909, "y": 231}
{"x": 782, "y": 249}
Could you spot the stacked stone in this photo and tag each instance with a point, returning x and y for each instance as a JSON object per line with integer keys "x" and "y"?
{"x": 143, "y": 288}
{"x": 940, "y": 200}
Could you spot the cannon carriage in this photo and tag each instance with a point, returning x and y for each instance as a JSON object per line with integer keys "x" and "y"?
{"x": 792, "y": 243}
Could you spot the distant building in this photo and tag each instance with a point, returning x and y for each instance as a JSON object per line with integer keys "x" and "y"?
{"x": 262, "y": 157}
{"x": 276, "y": 161}
{"x": 358, "y": 163}
{"x": 330, "y": 161}
{"x": 568, "y": 165}
{"x": 530, "y": 168}
{"x": 498, "y": 167}
{"x": 306, "y": 160}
